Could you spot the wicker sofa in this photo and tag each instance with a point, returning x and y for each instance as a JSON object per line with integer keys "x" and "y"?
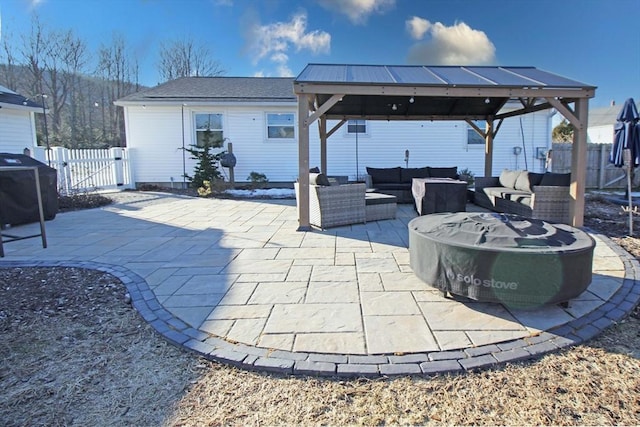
{"x": 533, "y": 195}
{"x": 397, "y": 181}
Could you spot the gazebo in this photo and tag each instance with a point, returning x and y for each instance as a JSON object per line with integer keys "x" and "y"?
{"x": 383, "y": 92}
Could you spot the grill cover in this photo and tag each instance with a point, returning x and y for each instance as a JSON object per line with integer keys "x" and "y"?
{"x": 18, "y": 199}
{"x": 517, "y": 261}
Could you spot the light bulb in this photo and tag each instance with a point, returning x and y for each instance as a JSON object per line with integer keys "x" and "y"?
{"x": 394, "y": 107}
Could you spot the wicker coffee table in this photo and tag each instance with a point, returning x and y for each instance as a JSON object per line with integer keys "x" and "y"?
{"x": 379, "y": 206}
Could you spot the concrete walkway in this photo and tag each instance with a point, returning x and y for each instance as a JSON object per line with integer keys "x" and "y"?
{"x": 234, "y": 281}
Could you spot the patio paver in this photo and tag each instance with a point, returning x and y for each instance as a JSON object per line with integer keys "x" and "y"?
{"x": 235, "y": 282}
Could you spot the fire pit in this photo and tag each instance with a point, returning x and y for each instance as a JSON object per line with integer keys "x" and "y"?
{"x": 516, "y": 261}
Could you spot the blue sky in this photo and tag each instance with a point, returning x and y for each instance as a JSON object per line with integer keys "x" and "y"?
{"x": 592, "y": 41}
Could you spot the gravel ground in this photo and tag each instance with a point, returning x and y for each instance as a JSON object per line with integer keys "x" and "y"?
{"x": 74, "y": 352}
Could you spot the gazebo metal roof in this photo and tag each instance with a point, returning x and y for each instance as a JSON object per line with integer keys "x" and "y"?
{"x": 388, "y": 92}
{"x": 400, "y": 92}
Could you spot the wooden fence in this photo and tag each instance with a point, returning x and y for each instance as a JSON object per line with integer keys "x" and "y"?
{"x": 88, "y": 169}
{"x": 600, "y": 173}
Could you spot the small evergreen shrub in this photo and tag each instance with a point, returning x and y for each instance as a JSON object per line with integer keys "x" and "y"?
{"x": 206, "y": 168}
{"x": 466, "y": 175}
{"x": 258, "y": 180}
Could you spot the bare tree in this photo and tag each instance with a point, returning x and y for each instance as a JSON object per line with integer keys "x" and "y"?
{"x": 185, "y": 58}
{"x": 54, "y": 60}
{"x": 9, "y": 74}
{"x": 50, "y": 67}
{"x": 118, "y": 68}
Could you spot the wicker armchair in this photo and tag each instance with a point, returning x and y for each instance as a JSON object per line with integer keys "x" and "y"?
{"x": 332, "y": 206}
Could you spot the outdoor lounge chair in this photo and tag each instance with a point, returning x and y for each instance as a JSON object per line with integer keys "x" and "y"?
{"x": 335, "y": 205}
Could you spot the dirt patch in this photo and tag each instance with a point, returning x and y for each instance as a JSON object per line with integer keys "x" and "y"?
{"x": 79, "y": 201}
{"x": 74, "y": 352}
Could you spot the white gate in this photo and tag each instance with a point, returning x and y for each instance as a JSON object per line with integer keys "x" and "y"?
{"x": 88, "y": 169}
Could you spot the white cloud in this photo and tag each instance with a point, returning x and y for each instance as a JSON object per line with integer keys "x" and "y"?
{"x": 284, "y": 71}
{"x": 33, "y": 4}
{"x": 358, "y": 11}
{"x": 280, "y": 57}
{"x": 274, "y": 41}
{"x": 417, "y": 27}
{"x": 458, "y": 44}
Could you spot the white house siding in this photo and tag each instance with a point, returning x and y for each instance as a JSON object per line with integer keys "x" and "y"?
{"x": 17, "y": 130}
{"x": 438, "y": 144}
{"x": 154, "y": 136}
{"x": 600, "y": 134}
{"x": 246, "y": 129}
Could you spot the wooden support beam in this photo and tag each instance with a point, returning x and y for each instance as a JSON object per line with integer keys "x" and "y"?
{"x": 579, "y": 164}
{"x": 322, "y": 125}
{"x": 476, "y": 128}
{"x": 526, "y": 110}
{"x": 336, "y": 127}
{"x": 564, "y": 109}
{"x": 325, "y": 107}
{"x": 303, "y": 163}
{"x": 488, "y": 149}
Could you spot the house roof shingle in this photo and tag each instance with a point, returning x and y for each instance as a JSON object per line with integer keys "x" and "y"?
{"x": 216, "y": 89}
{"x": 604, "y": 116}
{"x": 9, "y": 98}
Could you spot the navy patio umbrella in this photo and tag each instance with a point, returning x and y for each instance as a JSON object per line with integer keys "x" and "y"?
{"x": 626, "y": 135}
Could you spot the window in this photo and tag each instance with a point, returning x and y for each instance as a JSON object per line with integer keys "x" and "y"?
{"x": 209, "y": 130}
{"x": 356, "y": 126}
{"x": 473, "y": 137}
{"x": 281, "y": 126}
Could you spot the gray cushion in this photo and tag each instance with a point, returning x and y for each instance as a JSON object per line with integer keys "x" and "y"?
{"x": 493, "y": 191}
{"x": 514, "y": 194}
{"x": 509, "y": 177}
{"x": 393, "y": 186}
{"x": 384, "y": 175}
{"x": 451, "y": 172}
{"x": 318, "y": 179}
{"x": 556, "y": 179}
{"x": 407, "y": 174}
{"x": 379, "y": 199}
{"x": 527, "y": 180}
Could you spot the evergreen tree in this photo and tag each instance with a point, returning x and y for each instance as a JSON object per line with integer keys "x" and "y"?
{"x": 563, "y": 132}
{"x": 207, "y": 158}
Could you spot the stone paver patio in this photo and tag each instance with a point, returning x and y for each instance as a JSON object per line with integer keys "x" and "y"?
{"x": 234, "y": 281}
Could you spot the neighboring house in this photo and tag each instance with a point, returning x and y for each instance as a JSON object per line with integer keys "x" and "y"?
{"x": 259, "y": 117}
{"x": 17, "y": 122}
{"x": 601, "y": 123}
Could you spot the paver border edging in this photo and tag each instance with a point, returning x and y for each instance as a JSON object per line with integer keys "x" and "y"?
{"x": 248, "y": 357}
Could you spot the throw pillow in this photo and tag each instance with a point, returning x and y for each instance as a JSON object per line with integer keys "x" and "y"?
{"x": 407, "y": 174}
{"x": 451, "y": 172}
{"x": 314, "y": 170}
{"x": 556, "y": 179}
{"x": 385, "y": 175}
{"x": 319, "y": 179}
{"x": 509, "y": 177}
{"x": 527, "y": 180}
